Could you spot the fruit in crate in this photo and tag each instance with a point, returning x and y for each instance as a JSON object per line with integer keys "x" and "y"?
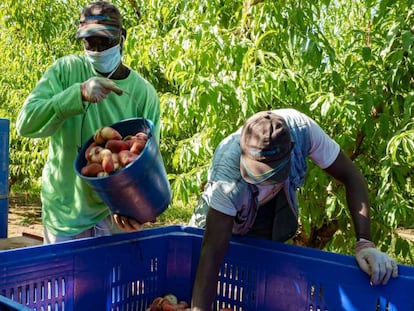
{"x": 109, "y": 151}
{"x": 168, "y": 302}
{"x": 171, "y": 298}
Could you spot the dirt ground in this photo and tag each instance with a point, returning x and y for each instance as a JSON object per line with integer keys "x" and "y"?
{"x": 25, "y": 219}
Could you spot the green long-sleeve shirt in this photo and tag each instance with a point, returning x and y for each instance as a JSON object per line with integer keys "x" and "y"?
{"x": 54, "y": 109}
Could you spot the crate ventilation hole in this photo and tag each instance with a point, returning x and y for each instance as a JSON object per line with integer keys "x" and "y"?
{"x": 41, "y": 294}
{"x": 314, "y": 293}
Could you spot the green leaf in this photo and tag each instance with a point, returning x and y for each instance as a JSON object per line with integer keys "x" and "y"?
{"x": 366, "y": 53}
{"x": 407, "y": 39}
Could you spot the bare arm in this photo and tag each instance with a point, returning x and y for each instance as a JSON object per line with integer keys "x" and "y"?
{"x": 213, "y": 249}
{"x": 379, "y": 266}
{"x": 344, "y": 170}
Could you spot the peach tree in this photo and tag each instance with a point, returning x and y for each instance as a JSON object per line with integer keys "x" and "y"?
{"x": 347, "y": 64}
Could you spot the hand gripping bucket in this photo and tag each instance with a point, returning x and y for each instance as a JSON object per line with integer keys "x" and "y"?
{"x": 139, "y": 190}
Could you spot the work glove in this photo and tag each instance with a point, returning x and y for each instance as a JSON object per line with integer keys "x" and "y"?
{"x": 375, "y": 263}
{"x": 96, "y": 89}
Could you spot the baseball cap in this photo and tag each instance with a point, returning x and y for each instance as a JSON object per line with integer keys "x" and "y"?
{"x": 265, "y": 148}
{"x": 100, "y": 19}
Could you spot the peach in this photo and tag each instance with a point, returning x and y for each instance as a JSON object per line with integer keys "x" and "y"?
{"x": 182, "y": 305}
{"x": 142, "y": 135}
{"x": 88, "y": 150}
{"x": 116, "y": 145}
{"x": 138, "y": 146}
{"x": 171, "y": 298}
{"x": 107, "y": 161}
{"x": 93, "y": 154}
{"x": 115, "y": 159}
{"x": 130, "y": 140}
{"x": 106, "y": 133}
{"x": 126, "y": 157}
{"x": 92, "y": 169}
{"x": 167, "y": 305}
{"x": 127, "y": 137}
{"x": 156, "y": 304}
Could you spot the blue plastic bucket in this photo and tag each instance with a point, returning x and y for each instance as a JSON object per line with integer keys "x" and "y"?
{"x": 139, "y": 190}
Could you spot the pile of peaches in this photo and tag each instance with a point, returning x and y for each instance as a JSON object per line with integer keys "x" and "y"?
{"x": 110, "y": 152}
{"x": 170, "y": 302}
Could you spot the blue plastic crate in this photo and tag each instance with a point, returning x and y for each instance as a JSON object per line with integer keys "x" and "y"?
{"x": 127, "y": 271}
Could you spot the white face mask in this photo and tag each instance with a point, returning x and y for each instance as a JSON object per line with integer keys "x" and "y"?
{"x": 105, "y": 61}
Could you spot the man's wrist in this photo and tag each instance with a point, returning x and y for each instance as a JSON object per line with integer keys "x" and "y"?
{"x": 363, "y": 243}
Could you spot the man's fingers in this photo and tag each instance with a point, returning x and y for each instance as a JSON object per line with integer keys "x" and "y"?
{"x": 111, "y": 86}
{"x": 394, "y": 268}
{"x": 388, "y": 272}
{"x": 135, "y": 225}
{"x": 364, "y": 265}
{"x": 378, "y": 265}
{"x": 382, "y": 272}
{"x": 118, "y": 221}
{"x": 116, "y": 90}
{"x": 127, "y": 224}
{"x": 375, "y": 273}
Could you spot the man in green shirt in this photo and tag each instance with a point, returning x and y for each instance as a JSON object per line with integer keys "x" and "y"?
{"x": 76, "y": 96}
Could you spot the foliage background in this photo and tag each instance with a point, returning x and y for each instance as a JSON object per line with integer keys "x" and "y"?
{"x": 347, "y": 64}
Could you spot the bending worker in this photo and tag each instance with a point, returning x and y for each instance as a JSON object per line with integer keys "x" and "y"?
{"x": 251, "y": 190}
